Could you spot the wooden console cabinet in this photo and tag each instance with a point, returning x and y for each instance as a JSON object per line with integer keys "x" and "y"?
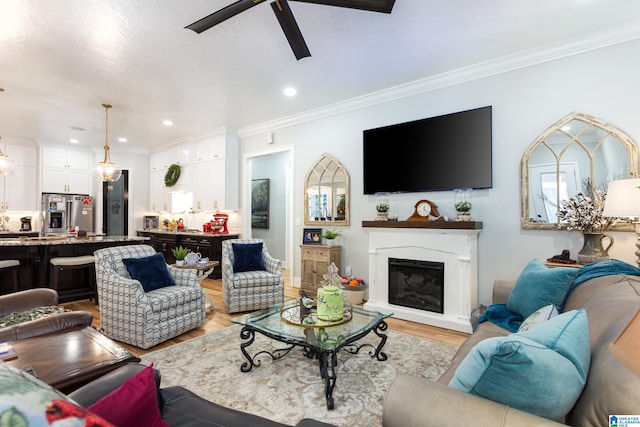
{"x": 316, "y": 259}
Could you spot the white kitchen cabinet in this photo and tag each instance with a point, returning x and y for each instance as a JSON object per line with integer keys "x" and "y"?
{"x": 217, "y": 149}
{"x": 66, "y": 171}
{"x": 159, "y": 199}
{"x": 179, "y": 155}
{"x": 200, "y": 186}
{"x": 159, "y": 161}
{"x": 218, "y": 197}
{"x": 209, "y": 170}
{"x": 19, "y": 189}
{"x": 209, "y": 186}
{"x": 216, "y": 179}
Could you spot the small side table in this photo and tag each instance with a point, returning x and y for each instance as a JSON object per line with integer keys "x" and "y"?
{"x": 203, "y": 272}
{"x": 552, "y": 264}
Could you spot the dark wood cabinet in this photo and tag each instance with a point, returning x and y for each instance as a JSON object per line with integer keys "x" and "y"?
{"x": 201, "y": 245}
{"x": 208, "y": 245}
{"x": 165, "y": 243}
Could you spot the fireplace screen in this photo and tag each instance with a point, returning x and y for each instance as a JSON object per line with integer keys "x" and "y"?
{"x": 416, "y": 284}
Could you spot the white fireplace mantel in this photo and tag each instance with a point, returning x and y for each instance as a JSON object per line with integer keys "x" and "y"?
{"x": 453, "y": 244}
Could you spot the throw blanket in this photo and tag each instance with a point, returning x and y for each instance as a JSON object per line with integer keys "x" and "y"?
{"x": 16, "y": 318}
{"x": 498, "y": 313}
{"x": 603, "y": 268}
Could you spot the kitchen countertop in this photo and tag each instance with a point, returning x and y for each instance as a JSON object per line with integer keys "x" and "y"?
{"x": 182, "y": 232}
{"x": 18, "y": 233}
{"x": 55, "y": 240}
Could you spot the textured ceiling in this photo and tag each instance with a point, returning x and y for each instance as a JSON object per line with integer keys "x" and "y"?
{"x": 61, "y": 59}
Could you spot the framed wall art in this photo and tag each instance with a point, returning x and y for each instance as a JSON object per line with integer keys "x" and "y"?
{"x": 260, "y": 203}
{"x": 312, "y": 236}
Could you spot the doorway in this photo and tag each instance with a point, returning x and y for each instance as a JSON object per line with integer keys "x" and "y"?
{"x": 276, "y": 166}
{"x": 115, "y": 206}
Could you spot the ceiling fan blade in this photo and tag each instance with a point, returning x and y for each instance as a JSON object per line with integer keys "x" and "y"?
{"x": 290, "y": 29}
{"x": 383, "y": 6}
{"x": 222, "y": 15}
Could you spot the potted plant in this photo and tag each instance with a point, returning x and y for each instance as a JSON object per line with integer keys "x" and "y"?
{"x": 463, "y": 204}
{"x": 179, "y": 253}
{"x": 330, "y": 236}
{"x": 382, "y": 206}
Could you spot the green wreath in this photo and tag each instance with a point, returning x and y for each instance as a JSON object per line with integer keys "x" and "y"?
{"x": 172, "y": 175}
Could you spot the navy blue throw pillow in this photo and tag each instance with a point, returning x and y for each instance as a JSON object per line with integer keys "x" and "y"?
{"x": 247, "y": 257}
{"x": 151, "y": 272}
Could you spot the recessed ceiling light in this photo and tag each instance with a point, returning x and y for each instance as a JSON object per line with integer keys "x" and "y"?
{"x": 122, "y": 139}
{"x": 290, "y": 91}
{"x": 74, "y": 141}
{"x": 167, "y": 122}
{"x": 566, "y": 128}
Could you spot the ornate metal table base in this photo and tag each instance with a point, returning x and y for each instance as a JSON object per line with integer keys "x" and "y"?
{"x": 327, "y": 359}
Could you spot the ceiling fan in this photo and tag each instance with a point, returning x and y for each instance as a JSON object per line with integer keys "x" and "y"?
{"x": 285, "y": 17}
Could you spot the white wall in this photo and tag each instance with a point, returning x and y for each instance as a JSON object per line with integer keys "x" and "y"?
{"x": 525, "y": 102}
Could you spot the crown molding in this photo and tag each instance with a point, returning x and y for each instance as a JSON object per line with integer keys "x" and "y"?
{"x": 547, "y": 53}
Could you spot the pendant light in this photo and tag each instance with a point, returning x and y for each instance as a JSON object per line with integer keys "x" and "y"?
{"x": 7, "y": 164}
{"x": 107, "y": 170}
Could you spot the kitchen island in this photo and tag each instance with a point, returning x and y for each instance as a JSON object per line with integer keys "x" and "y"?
{"x": 34, "y": 254}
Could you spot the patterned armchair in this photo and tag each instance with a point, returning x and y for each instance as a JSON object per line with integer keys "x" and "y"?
{"x": 250, "y": 290}
{"x": 144, "y": 319}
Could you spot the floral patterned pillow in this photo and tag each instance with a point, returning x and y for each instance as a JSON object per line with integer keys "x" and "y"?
{"x": 538, "y": 317}
{"x": 27, "y": 401}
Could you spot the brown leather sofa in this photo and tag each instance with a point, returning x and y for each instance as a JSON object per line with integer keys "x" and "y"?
{"x": 179, "y": 406}
{"x": 611, "y": 389}
{"x": 33, "y": 298}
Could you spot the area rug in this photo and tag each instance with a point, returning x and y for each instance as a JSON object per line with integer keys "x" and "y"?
{"x": 290, "y": 389}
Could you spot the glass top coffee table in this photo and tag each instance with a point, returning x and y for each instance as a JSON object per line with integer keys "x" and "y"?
{"x": 320, "y": 340}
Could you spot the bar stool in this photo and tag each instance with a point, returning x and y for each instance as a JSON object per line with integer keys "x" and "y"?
{"x": 11, "y": 265}
{"x": 59, "y": 264}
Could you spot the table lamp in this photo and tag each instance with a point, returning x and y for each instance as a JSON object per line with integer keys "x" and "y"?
{"x": 623, "y": 201}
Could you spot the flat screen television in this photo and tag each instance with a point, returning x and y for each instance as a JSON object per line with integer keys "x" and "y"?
{"x": 432, "y": 154}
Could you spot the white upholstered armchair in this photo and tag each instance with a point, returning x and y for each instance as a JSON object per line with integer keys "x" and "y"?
{"x": 144, "y": 319}
{"x": 251, "y": 289}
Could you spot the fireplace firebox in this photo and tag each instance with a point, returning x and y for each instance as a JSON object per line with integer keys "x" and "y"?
{"x": 416, "y": 284}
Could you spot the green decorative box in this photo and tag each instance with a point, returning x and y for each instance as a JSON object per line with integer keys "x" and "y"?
{"x": 330, "y": 300}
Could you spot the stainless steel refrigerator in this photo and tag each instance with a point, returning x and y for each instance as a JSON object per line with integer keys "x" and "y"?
{"x": 67, "y": 212}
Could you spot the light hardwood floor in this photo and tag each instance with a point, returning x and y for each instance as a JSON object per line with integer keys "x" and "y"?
{"x": 219, "y": 319}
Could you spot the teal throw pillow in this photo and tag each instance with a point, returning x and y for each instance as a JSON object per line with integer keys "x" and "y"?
{"x": 541, "y": 371}
{"x": 151, "y": 271}
{"x": 538, "y": 286}
{"x": 247, "y": 257}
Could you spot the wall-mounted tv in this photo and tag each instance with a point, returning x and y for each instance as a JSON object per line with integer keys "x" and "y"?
{"x": 433, "y": 154}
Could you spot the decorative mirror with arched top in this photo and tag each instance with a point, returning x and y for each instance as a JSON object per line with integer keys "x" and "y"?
{"x": 326, "y": 193}
{"x": 576, "y": 150}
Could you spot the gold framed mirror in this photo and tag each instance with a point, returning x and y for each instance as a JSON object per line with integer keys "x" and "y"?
{"x": 557, "y": 164}
{"x": 326, "y": 193}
